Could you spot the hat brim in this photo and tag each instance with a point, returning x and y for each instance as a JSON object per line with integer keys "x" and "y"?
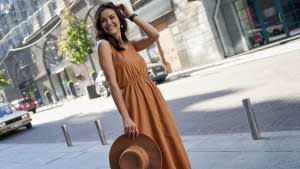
{"x": 144, "y": 141}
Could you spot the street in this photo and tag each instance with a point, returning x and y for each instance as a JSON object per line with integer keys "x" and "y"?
{"x": 213, "y": 56}
{"x": 208, "y": 102}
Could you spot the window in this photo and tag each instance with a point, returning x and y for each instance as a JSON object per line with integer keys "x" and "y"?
{"x": 4, "y": 110}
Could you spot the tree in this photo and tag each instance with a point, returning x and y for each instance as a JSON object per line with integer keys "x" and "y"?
{"x": 74, "y": 42}
{"x": 3, "y": 81}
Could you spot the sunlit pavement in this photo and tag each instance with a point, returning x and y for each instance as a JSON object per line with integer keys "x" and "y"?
{"x": 208, "y": 112}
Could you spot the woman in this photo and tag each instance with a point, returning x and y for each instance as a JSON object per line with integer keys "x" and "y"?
{"x": 140, "y": 103}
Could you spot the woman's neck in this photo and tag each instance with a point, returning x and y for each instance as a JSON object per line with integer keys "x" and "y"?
{"x": 118, "y": 37}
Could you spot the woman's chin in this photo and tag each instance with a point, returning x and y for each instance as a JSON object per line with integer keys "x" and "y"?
{"x": 111, "y": 32}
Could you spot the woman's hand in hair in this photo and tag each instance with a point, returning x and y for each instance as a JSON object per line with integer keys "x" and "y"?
{"x": 124, "y": 10}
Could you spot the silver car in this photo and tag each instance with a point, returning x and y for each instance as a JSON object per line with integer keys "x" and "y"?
{"x": 11, "y": 119}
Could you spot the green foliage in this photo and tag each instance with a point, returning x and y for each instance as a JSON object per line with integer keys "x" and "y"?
{"x": 3, "y": 81}
{"x": 74, "y": 42}
{"x": 94, "y": 75}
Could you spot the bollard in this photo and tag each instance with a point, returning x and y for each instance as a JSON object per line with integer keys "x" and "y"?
{"x": 100, "y": 132}
{"x": 251, "y": 119}
{"x": 66, "y": 134}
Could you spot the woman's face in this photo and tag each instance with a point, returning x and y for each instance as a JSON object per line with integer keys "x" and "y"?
{"x": 110, "y": 22}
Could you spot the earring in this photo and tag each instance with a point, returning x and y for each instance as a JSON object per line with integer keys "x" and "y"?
{"x": 122, "y": 26}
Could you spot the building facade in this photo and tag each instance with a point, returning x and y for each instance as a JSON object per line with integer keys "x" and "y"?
{"x": 186, "y": 35}
{"x": 198, "y": 32}
{"x": 29, "y": 56}
{"x": 192, "y": 33}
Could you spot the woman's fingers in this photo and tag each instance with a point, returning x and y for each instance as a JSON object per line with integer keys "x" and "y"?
{"x": 123, "y": 9}
{"x": 131, "y": 131}
{"x": 126, "y": 130}
{"x": 137, "y": 132}
{"x": 130, "y": 128}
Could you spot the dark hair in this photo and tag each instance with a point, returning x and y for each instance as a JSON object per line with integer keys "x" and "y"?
{"x": 100, "y": 33}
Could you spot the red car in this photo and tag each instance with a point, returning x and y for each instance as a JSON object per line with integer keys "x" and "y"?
{"x": 26, "y": 104}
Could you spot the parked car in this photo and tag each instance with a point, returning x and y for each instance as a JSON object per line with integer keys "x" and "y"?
{"x": 27, "y": 104}
{"x": 101, "y": 85}
{"x": 12, "y": 119}
{"x": 157, "y": 72}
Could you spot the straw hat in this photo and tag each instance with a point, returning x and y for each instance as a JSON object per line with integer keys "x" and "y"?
{"x": 139, "y": 153}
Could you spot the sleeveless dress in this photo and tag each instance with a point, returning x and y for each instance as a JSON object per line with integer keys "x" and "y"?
{"x": 147, "y": 107}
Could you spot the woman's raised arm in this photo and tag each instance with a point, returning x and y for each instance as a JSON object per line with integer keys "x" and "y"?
{"x": 151, "y": 32}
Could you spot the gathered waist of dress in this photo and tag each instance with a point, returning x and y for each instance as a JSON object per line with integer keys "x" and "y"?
{"x": 134, "y": 80}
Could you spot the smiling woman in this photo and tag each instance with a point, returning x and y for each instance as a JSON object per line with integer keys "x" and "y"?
{"x": 139, "y": 101}
{"x": 110, "y": 22}
{"x": 104, "y": 25}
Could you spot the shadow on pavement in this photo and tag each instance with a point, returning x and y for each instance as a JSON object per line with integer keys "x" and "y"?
{"x": 273, "y": 115}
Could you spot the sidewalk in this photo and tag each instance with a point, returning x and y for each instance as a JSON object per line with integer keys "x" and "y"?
{"x": 274, "y": 49}
{"x": 276, "y": 150}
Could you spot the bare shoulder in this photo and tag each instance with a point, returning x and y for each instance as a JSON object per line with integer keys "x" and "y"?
{"x": 103, "y": 44}
{"x": 104, "y": 49}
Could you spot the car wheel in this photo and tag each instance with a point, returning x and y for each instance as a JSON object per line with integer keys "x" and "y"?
{"x": 29, "y": 126}
{"x": 108, "y": 92}
{"x": 102, "y": 91}
{"x": 34, "y": 110}
{"x": 105, "y": 92}
{"x": 160, "y": 80}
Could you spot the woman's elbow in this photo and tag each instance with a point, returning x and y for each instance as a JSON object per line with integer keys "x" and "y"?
{"x": 113, "y": 85}
{"x": 155, "y": 36}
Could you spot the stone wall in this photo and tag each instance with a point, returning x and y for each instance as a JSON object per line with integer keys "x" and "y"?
{"x": 193, "y": 33}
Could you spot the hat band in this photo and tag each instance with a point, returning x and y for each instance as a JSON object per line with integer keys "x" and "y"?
{"x": 134, "y": 157}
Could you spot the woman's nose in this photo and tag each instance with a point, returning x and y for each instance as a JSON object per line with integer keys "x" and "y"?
{"x": 109, "y": 21}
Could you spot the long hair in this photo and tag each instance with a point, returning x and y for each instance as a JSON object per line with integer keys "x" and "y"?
{"x": 100, "y": 33}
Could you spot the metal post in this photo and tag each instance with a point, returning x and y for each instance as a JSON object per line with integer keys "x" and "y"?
{"x": 261, "y": 20}
{"x": 66, "y": 134}
{"x": 251, "y": 119}
{"x": 100, "y": 132}
{"x": 282, "y": 17}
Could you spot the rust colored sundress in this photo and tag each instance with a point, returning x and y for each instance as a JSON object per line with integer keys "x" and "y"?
{"x": 147, "y": 107}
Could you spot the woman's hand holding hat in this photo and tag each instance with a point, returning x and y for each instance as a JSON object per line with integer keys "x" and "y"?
{"x": 140, "y": 153}
{"x": 130, "y": 128}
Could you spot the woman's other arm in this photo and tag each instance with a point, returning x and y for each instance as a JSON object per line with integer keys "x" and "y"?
{"x": 106, "y": 63}
{"x": 151, "y": 32}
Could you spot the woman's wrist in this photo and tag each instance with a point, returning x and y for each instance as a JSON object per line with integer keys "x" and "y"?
{"x": 125, "y": 117}
{"x": 132, "y": 16}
